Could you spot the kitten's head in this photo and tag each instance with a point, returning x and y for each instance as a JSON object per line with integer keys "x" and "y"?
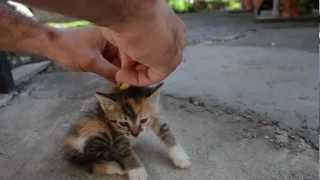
{"x": 129, "y": 111}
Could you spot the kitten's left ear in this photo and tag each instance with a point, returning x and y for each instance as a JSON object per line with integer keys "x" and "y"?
{"x": 154, "y": 90}
{"x": 154, "y": 94}
{"x": 106, "y": 101}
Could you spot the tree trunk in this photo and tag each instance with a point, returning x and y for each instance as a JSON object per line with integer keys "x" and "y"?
{"x": 6, "y": 79}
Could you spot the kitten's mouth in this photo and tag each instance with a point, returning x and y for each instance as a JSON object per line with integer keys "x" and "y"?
{"x": 135, "y": 134}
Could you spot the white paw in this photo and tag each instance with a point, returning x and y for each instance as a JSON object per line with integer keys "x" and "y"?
{"x": 137, "y": 174}
{"x": 179, "y": 157}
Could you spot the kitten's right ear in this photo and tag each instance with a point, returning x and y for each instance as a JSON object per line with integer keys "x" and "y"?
{"x": 154, "y": 96}
{"x": 106, "y": 101}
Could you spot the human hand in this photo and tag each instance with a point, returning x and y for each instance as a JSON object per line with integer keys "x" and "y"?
{"x": 84, "y": 49}
{"x": 150, "y": 48}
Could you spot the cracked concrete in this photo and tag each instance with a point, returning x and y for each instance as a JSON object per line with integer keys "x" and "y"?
{"x": 222, "y": 146}
{"x": 272, "y": 82}
{"x": 270, "y": 70}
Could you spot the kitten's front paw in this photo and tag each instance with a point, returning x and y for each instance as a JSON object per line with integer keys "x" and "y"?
{"x": 179, "y": 157}
{"x": 138, "y": 174}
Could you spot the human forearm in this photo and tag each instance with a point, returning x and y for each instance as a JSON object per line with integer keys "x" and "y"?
{"x": 77, "y": 49}
{"x": 148, "y": 36}
{"x": 114, "y": 14}
{"x": 22, "y": 34}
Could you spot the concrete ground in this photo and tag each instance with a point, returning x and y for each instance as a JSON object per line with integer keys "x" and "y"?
{"x": 232, "y": 105}
{"x": 267, "y": 69}
{"x": 222, "y": 146}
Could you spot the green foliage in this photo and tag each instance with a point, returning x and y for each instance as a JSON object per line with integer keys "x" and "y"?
{"x": 234, "y": 4}
{"x": 306, "y": 6}
{"x": 180, "y": 5}
{"x": 187, "y": 6}
{"x": 71, "y": 24}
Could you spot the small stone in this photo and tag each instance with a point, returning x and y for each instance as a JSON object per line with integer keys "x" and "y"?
{"x": 237, "y": 118}
{"x": 278, "y": 132}
{"x": 275, "y": 123}
{"x": 182, "y": 106}
{"x": 302, "y": 144}
{"x": 196, "y": 102}
{"x": 263, "y": 122}
{"x": 24, "y": 94}
{"x": 282, "y": 139}
{"x": 266, "y": 137}
{"x": 253, "y": 135}
{"x": 292, "y": 137}
{"x": 191, "y": 100}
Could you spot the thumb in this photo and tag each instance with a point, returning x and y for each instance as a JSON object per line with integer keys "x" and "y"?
{"x": 139, "y": 77}
{"x": 127, "y": 76}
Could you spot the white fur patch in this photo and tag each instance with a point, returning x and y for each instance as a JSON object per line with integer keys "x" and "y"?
{"x": 137, "y": 174}
{"x": 179, "y": 157}
{"x": 79, "y": 143}
{"x": 114, "y": 168}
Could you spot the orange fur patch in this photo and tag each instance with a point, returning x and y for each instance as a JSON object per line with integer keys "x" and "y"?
{"x": 136, "y": 106}
{"x": 92, "y": 127}
{"x": 100, "y": 168}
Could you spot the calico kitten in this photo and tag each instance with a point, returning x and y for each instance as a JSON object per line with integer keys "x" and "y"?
{"x": 101, "y": 138}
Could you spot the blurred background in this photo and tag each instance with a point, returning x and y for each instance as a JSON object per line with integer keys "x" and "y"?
{"x": 263, "y": 10}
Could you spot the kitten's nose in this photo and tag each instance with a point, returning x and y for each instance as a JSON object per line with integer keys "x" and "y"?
{"x": 135, "y": 134}
{"x": 136, "y": 131}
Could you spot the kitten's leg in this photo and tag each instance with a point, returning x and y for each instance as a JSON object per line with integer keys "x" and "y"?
{"x": 99, "y": 148}
{"x": 94, "y": 152}
{"x": 176, "y": 151}
{"x": 107, "y": 168}
{"x": 129, "y": 160}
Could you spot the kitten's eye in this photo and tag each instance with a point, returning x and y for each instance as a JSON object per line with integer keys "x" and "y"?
{"x": 144, "y": 120}
{"x": 124, "y": 124}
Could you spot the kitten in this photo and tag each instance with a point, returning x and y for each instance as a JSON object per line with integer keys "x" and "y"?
{"x": 101, "y": 138}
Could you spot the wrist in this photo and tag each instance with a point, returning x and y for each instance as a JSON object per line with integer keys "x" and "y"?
{"x": 142, "y": 30}
{"x": 41, "y": 43}
{"x": 49, "y": 40}
{"x": 137, "y": 14}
